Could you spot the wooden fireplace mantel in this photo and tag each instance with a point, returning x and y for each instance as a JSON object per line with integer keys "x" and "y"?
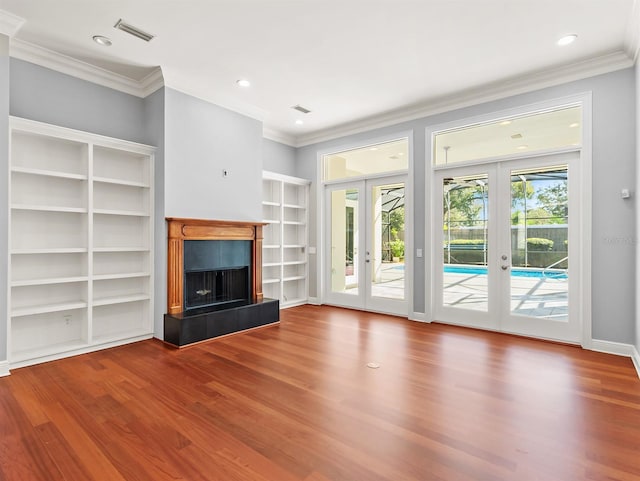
{"x": 202, "y": 229}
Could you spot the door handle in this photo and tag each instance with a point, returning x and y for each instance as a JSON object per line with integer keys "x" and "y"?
{"x": 504, "y": 268}
{"x": 504, "y": 257}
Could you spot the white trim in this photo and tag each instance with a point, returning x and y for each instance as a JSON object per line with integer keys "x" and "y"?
{"x": 76, "y": 68}
{"x": 419, "y": 317}
{"x": 10, "y": 23}
{"x": 611, "y": 347}
{"x": 602, "y": 64}
{"x": 83, "y": 350}
{"x": 4, "y": 368}
{"x": 277, "y": 136}
{"x": 635, "y": 357}
{"x": 632, "y": 34}
{"x": 586, "y": 231}
{"x": 315, "y": 301}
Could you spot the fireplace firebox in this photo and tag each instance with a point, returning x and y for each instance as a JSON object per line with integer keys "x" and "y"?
{"x": 217, "y": 286}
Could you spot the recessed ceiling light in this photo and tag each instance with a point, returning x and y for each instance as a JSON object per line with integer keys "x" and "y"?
{"x": 100, "y": 40}
{"x": 522, "y": 147}
{"x": 567, "y": 39}
{"x": 373, "y": 148}
{"x": 243, "y": 82}
{"x": 400, "y": 153}
{"x": 573, "y": 125}
{"x": 505, "y": 122}
{"x": 299, "y": 122}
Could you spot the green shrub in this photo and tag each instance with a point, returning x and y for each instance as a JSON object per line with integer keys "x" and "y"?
{"x": 539, "y": 244}
{"x": 466, "y": 242}
{"x": 397, "y": 248}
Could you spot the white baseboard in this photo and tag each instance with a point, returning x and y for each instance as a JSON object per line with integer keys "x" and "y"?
{"x": 315, "y": 301}
{"x": 619, "y": 349}
{"x": 4, "y": 368}
{"x": 636, "y": 360}
{"x": 418, "y": 316}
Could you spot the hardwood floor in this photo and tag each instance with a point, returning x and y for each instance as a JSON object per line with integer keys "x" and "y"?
{"x": 296, "y": 402}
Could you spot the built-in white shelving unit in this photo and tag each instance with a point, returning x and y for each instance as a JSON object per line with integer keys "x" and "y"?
{"x": 80, "y": 244}
{"x": 284, "y": 251}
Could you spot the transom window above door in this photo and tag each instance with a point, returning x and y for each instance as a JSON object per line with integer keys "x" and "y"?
{"x": 548, "y": 130}
{"x": 367, "y": 161}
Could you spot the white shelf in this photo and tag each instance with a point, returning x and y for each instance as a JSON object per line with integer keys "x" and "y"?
{"x": 52, "y": 280}
{"x": 48, "y": 173}
{"x": 120, "y": 299}
{"x": 133, "y": 334}
{"x": 121, "y": 212}
{"x": 107, "y": 180}
{"x": 124, "y": 275}
{"x": 285, "y": 199}
{"x": 271, "y": 221}
{"x": 49, "y": 350}
{"x": 49, "y": 208}
{"x": 121, "y": 249}
{"x": 45, "y": 308}
{"x": 293, "y": 278}
{"x": 58, "y": 177}
{"x": 45, "y": 250}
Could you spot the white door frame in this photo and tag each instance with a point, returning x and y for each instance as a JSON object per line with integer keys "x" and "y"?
{"x": 364, "y": 300}
{"x": 319, "y": 215}
{"x": 583, "y": 196}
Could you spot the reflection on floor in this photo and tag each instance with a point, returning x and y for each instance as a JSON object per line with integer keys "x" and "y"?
{"x": 530, "y": 296}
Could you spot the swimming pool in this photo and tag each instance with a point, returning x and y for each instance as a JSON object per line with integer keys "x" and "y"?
{"x": 517, "y": 272}
{"x": 529, "y": 272}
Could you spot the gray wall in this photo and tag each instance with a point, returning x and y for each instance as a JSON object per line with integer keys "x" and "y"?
{"x": 636, "y": 192}
{"x": 41, "y": 94}
{"x": 613, "y": 261}
{"x": 201, "y": 140}
{"x": 4, "y": 173}
{"x": 277, "y": 157}
{"x": 154, "y": 135}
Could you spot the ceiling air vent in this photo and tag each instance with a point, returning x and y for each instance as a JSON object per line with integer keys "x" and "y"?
{"x": 516, "y": 136}
{"x": 135, "y": 31}
{"x": 300, "y": 108}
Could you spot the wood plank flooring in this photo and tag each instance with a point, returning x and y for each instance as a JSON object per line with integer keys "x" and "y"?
{"x": 296, "y": 402}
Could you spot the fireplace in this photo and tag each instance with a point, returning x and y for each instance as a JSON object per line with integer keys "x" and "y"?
{"x": 214, "y": 280}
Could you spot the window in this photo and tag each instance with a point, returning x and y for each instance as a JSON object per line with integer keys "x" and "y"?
{"x": 540, "y": 131}
{"x": 370, "y": 160}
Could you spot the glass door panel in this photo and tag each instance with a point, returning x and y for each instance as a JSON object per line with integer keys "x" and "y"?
{"x": 387, "y": 234}
{"x": 345, "y": 236}
{"x": 465, "y": 208}
{"x": 539, "y": 279}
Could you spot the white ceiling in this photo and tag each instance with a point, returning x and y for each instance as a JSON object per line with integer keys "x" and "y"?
{"x": 351, "y": 62}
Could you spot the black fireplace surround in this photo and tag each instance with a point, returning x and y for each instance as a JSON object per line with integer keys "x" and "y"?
{"x": 217, "y": 293}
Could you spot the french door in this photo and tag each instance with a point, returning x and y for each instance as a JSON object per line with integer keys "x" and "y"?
{"x": 501, "y": 254}
{"x": 365, "y": 263}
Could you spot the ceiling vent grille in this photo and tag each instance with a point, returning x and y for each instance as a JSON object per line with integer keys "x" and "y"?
{"x": 135, "y": 31}
{"x": 516, "y": 136}
{"x": 300, "y": 108}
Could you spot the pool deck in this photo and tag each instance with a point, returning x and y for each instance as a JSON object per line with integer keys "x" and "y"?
{"x": 530, "y": 296}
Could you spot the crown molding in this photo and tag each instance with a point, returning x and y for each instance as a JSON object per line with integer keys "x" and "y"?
{"x": 10, "y": 23}
{"x": 489, "y": 92}
{"x": 632, "y": 34}
{"x": 76, "y": 68}
{"x": 278, "y": 136}
{"x": 151, "y": 83}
